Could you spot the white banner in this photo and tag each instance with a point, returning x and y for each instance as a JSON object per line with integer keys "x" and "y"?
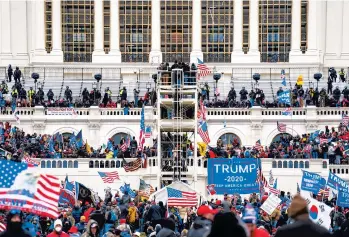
{"x": 61, "y": 111}
{"x": 271, "y": 204}
{"x": 318, "y": 211}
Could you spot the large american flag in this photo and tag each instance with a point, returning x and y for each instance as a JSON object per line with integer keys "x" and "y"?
{"x": 274, "y": 191}
{"x": 141, "y": 132}
{"x": 203, "y": 69}
{"x": 2, "y": 227}
{"x": 345, "y": 120}
{"x": 203, "y": 132}
{"x": 39, "y": 195}
{"x": 133, "y": 165}
{"x": 109, "y": 177}
{"x": 180, "y": 198}
{"x": 281, "y": 127}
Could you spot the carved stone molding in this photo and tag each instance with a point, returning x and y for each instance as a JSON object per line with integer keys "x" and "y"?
{"x": 39, "y": 126}
{"x": 94, "y": 126}
{"x": 312, "y": 126}
{"x": 256, "y": 126}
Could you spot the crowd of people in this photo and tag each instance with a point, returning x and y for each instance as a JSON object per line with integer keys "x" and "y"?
{"x": 122, "y": 216}
{"x": 331, "y": 144}
{"x": 15, "y": 143}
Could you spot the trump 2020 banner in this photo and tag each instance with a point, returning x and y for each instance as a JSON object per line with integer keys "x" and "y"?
{"x": 312, "y": 182}
{"x": 337, "y": 183}
{"x": 343, "y": 199}
{"x": 284, "y": 97}
{"x": 233, "y": 175}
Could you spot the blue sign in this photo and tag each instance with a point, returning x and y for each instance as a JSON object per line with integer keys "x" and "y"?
{"x": 66, "y": 197}
{"x": 312, "y": 182}
{"x": 233, "y": 175}
{"x": 337, "y": 183}
{"x": 284, "y": 97}
{"x": 343, "y": 199}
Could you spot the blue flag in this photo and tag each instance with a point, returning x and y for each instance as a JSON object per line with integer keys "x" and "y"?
{"x": 337, "y": 183}
{"x": 51, "y": 146}
{"x": 72, "y": 140}
{"x": 127, "y": 188}
{"x": 275, "y": 184}
{"x": 283, "y": 77}
{"x": 284, "y": 97}
{"x": 312, "y": 182}
{"x": 343, "y": 199}
{"x": 79, "y": 141}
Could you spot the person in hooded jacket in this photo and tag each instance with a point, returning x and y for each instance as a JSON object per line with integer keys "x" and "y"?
{"x": 82, "y": 224}
{"x": 92, "y": 229}
{"x": 227, "y": 224}
{"x": 98, "y": 216}
{"x": 203, "y": 222}
{"x": 14, "y": 225}
{"x": 57, "y": 231}
{"x": 76, "y": 213}
{"x": 168, "y": 230}
{"x": 302, "y": 226}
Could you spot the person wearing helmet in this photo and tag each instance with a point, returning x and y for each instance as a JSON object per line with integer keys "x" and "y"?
{"x": 14, "y": 225}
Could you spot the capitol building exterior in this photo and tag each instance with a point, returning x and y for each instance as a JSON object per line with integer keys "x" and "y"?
{"x": 68, "y": 42}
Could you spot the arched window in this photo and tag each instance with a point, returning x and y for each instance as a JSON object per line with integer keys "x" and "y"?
{"x": 107, "y": 164}
{"x": 290, "y": 164}
{"x": 91, "y": 164}
{"x": 284, "y": 164}
{"x": 279, "y": 164}
{"x": 296, "y": 164}
{"x": 112, "y": 164}
{"x": 76, "y": 164}
{"x": 306, "y": 164}
{"x": 70, "y": 164}
{"x": 54, "y": 164}
{"x": 324, "y": 164}
{"x": 101, "y": 164}
{"x": 65, "y": 164}
{"x": 301, "y": 164}
{"x": 279, "y": 137}
{"x": 274, "y": 164}
{"x": 48, "y": 164}
{"x": 229, "y": 138}
{"x": 43, "y": 164}
{"x": 59, "y": 164}
{"x": 117, "y": 137}
{"x": 117, "y": 164}
{"x": 96, "y": 164}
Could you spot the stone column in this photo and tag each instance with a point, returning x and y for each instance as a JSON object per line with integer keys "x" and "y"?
{"x": 296, "y": 32}
{"x": 237, "y": 53}
{"x": 312, "y": 53}
{"x": 56, "y": 32}
{"x": 114, "y": 53}
{"x": 196, "y": 51}
{"x": 98, "y": 53}
{"x": 253, "y": 53}
{"x": 155, "y": 55}
{"x": 40, "y": 27}
{"x": 5, "y": 19}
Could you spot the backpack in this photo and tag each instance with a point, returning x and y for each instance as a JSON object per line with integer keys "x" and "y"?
{"x": 113, "y": 217}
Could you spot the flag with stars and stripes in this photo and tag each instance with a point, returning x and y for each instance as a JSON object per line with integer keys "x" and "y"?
{"x": 28, "y": 190}
{"x": 147, "y": 132}
{"x": 287, "y": 111}
{"x": 109, "y": 177}
{"x": 345, "y": 120}
{"x": 133, "y": 165}
{"x": 145, "y": 190}
{"x": 324, "y": 192}
{"x": 30, "y": 161}
{"x": 203, "y": 132}
{"x": 258, "y": 145}
{"x": 281, "y": 127}
{"x": 273, "y": 189}
{"x": 203, "y": 69}
{"x": 141, "y": 132}
{"x": 181, "y": 198}
{"x": 2, "y": 227}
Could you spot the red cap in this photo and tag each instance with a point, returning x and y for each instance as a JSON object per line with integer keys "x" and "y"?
{"x": 204, "y": 209}
{"x": 73, "y": 229}
{"x": 122, "y": 221}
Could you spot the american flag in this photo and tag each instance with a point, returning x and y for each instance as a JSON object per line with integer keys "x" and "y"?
{"x": 281, "y": 127}
{"x": 203, "y": 69}
{"x": 210, "y": 189}
{"x": 109, "y": 177}
{"x": 258, "y": 145}
{"x": 40, "y": 195}
{"x": 261, "y": 179}
{"x": 147, "y": 132}
{"x": 324, "y": 192}
{"x": 30, "y": 161}
{"x": 323, "y": 140}
{"x": 145, "y": 190}
{"x": 203, "y": 132}
{"x": 271, "y": 177}
{"x": 345, "y": 120}
{"x": 124, "y": 145}
{"x": 273, "y": 189}
{"x": 180, "y": 198}
{"x": 2, "y": 227}
{"x": 141, "y": 132}
{"x": 133, "y": 165}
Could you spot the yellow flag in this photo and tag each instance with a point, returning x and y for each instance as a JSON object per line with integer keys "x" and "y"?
{"x": 202, "y": 148}
{"x": 88, "y": 148}
{"x": 300, "y": 81}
